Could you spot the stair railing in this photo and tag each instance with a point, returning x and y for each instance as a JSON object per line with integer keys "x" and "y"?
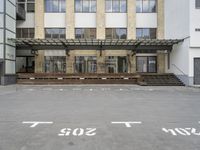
{"x": 179, "y": 69}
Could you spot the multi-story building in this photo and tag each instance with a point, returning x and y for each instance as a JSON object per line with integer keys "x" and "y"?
{"x": 108, "y": 36}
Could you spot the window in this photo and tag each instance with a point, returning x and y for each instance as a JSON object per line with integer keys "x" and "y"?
{"x": 116, "y": 33}
{"x": 197, "y": 4}
{"x": 146, "y": 6}
{"x": 55, "y": 33}
{"x": 25, "y": 64}
{"x": 146, "y": 33}
{"x": 116, "y": 6}
{"x": 116, "y": 64}
{"x": 85, "y": 33}
{"x": 55, "y": 64}
{"x": 25, "y": 32}
{"x": 85, "y": 64}
{"x": 55, "y": 6}
{"x": 28, "y": 5}
{"x": 84, "y": 6}
{"x": 146, "y": 64}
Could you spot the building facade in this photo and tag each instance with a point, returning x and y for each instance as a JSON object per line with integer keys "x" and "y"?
{"x": 150, "y": 25}
{"x": 7, "y": 48}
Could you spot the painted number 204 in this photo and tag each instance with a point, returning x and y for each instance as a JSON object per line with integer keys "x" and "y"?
{"x": 77, "y": 132}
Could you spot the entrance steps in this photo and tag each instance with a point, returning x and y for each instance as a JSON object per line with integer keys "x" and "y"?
{"x": 166, "y": 79}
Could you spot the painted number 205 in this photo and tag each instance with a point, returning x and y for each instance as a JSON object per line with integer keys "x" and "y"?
{"x": 77, "y": 132}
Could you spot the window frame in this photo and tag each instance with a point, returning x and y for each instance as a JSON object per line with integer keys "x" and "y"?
{"x": 114, "y": 33}
{"x": 142, "y": 33}
{"x": 28, "y": 32}
{"x": 120, "y": 6}
{"x": 59, "y": 7}
{"x": 83, "y": 33}
{"x": 59, "y": 33}
{"x": 142, "y": 6}
{"x": 90, "y": 9}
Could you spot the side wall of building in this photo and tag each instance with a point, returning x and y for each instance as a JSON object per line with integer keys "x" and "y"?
{"x": 177, "y": 27}
{"x": 194, "y": 51}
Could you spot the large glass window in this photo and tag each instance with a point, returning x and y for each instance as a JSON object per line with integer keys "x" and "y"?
{"x": 25, "y": 64}
{"x": 116, "y": 64}
{"x": 55, "y": 6}
{"x": 85, "y": 64}
{"x": 116, "y": 6}
{"x": 55, "y": 33}
{"x": 146, "y": 6}
{"x": 116, "y": 33}
{"x": 85, "y": 33}
{"x": 25, "y": 32}
{"x": 146, "y": 64}
{"x": 85, "y": 6}
{"x": 55, "y": 64}
{"x": 197, "y": 4}
{"x": 146, "y": 33}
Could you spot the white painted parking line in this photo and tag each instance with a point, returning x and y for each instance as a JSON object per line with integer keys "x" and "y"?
{"x": 60, "y": 89}
{"x": 90, "y": 89}
{"x": 35, "y": 123}
{"x": 182, "y": 131}
{"x": 128, "y": 124}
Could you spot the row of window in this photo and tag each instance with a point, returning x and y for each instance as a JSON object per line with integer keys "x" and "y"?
{"x": 89, "y": 33}
{"x": 116, "y": 6}
{"x": 84, "y": 6}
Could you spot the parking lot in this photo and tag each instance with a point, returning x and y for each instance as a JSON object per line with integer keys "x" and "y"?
{"x": 99, "y": 117}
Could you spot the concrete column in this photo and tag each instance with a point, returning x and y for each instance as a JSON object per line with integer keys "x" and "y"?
{"x": 131, "y": 15}
{"x": 70, "y": 61}
{"x": 101, "y": 64}
{"x": 160, "y": 62}
{"x": 39, "y": 62}
{"x": 39, "y": 33}
{"x": 160, "y": 18}
{"x": 70, "y": 19}
{"x": 100, "y": 19}
{"x": 39, "y": 19}
{"x": 131, "y": 63}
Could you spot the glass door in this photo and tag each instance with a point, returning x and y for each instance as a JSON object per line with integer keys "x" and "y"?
{"x": 147, "y": 64}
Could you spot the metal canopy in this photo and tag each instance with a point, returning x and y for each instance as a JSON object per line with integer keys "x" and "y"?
{"x": 95, "y": 44}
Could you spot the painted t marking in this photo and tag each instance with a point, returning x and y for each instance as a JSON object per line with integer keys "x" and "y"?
{"x": 127, "y": 124}
{"x": 35, "y": 123}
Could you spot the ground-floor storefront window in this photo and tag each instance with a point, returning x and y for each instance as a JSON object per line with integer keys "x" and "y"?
{"x": 116, "y": 64}
{"x": 25, "y": 64}
{"x": 85, "y": 64}
{"x": 147, "y": 64}
{"x": 55, "y": 64}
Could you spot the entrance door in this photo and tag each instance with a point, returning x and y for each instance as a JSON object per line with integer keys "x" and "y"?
{"x": 197, "y": 71}
{"x": 146, "y": 64}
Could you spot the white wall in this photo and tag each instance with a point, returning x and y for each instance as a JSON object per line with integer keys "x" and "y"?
{"x": 28, "y": 23}
{"x": 194, "y": 23}
{"x": 54, "y": 20}
{"x": 146, "y": 20}
{"x": 85, "y": 20}
{"x": 116, "y": 20}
